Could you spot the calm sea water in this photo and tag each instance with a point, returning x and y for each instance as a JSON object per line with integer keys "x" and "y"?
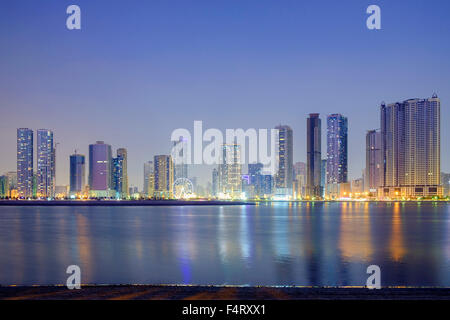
{"x": 275, "y": 244}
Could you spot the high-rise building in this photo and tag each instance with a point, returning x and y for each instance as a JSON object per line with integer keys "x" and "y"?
{"x": 445, "y": 180}
{"x": 123, "y": 154}
{"x": 180, "y": 154}
{"x": 45, "y": 164}
{"x": 284, "y": 175}
{"x": 118, "y": 177}
{"x": 25, "y": 163}
{"x": 254, "y": 174}
{"x": 149, "y": 179}
{"x": 215, "y": 182}
{"x": 323, "y": 176}
{"x": 12, "y": 179}
{"x": 314, "y": 156}
{"x": 77, "y": 174}
{"x": 164, "y": 174}
{"x": 265, "y": 188}
{"x": 337, "y": 128}
{"x": 299, "y": 180}
{"x": 411, "y": 146}
{"x": 374, "y": 162}
{"x": 230, "y": 171}
{"x": 4, "y": 187}
{"x": 100, "y": 170}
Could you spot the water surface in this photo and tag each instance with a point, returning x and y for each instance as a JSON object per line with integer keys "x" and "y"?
{"x": 275, "y": 244}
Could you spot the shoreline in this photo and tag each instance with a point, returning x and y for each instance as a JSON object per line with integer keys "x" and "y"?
{"x": 190, "y": 292}
{"x": 122, "y": 203}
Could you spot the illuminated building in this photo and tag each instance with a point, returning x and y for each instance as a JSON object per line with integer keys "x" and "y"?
{"x": 77, "y": 174}
{"x": 410, "y": 144}
{"x": 180, "y": 156}
{"x": 230, "y": 171}
{"x": 323, "y": 176}
{"x": 25, "y": 163}
{"x": 357, "y": 186}
{"x": 12, "y": 179}
{"x": 284, "y": 176}
{"x": 100, "y": 170}
{"x": 299, "y": 180}
{"x": 164, "y": 175}
{"x": 4, "y": 187}
{"x": 61, "y": 192}
{"x": 45, "y": 175}
{"x": 215, "y": 182}
{"x": 337, "y": 129}
{"x": 123, "y": 154}
{"x": 445, "y": 180}
{"x": 119, "y": 174}
{"x": 374, "y": 164}
{"x": 149, "y": 179}
{"x": 314, "y": 156}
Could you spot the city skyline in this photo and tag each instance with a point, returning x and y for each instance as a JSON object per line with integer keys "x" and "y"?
{"x": 401, "y": 159}
{"x": 254, "y": 73}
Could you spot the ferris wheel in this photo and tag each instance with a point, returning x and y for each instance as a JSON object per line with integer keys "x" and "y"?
{"x": 183, "y": 188}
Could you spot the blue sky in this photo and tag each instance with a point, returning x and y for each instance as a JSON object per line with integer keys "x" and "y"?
{"x": 140, "y": 69}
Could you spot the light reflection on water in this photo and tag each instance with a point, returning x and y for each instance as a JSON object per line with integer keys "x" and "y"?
{"x": 270, "y": 244}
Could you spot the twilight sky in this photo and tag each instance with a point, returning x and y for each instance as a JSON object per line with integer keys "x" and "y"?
{"x": 140, "y": 69}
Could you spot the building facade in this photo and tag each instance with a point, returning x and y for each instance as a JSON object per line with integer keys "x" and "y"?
{"x": 337, "y": 149}
{"x": 299, "y": 180}
{"x": 284, "y": 177}
{"x": 4, "y": 187}
{"x": 410, "y": 144}
{"x": 374, "y": 162}
{"x": 149, "y": 179}
{"x": 25, "y": 163}
{"x": 230, "y": 170}
{"x": 77, "y": 174}
{"x": 313, "y": 156}
{"x": 46, "y": 161}
{"x": 100, "y": 170}
{"x": 180, "y": 156}
{"x": 164, "y": 177}
{"x": 123, "y": 155}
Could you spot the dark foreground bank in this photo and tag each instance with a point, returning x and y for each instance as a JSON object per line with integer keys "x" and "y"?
{"x": 123, "y": 203}
{"x": 147, "y": 292}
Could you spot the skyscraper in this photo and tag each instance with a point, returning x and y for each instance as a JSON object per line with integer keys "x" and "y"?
{"x": 255, "y": 179}
{"x": 374, "y": 163}
{"x": 45, "y": 177}
{"x": 4, "y": 187}
{"x": 118, "y": 176}
{"x": 445, "y": 180}
{"x": 230, "y": 171}
{"x": 100, "y": 170}
{"x": 323, "y": 176}
{"x": 299, "y": 179}
{"x": 163, "y": 171}
{"x": 410, "y": 140}
{"x": 180, "y": 154}
{"x": 337, "y": 128}
{"x": 77, "y": 174}
{"x": 25, "y": 162}
{"x": 12, "y": 179}
{"x": 122, "y": 154}
{"x": 314, "y": 155}
{"x": 215, "y": 182}
{"x": 149, "y": 179}
{"x": 284, "y": 175}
